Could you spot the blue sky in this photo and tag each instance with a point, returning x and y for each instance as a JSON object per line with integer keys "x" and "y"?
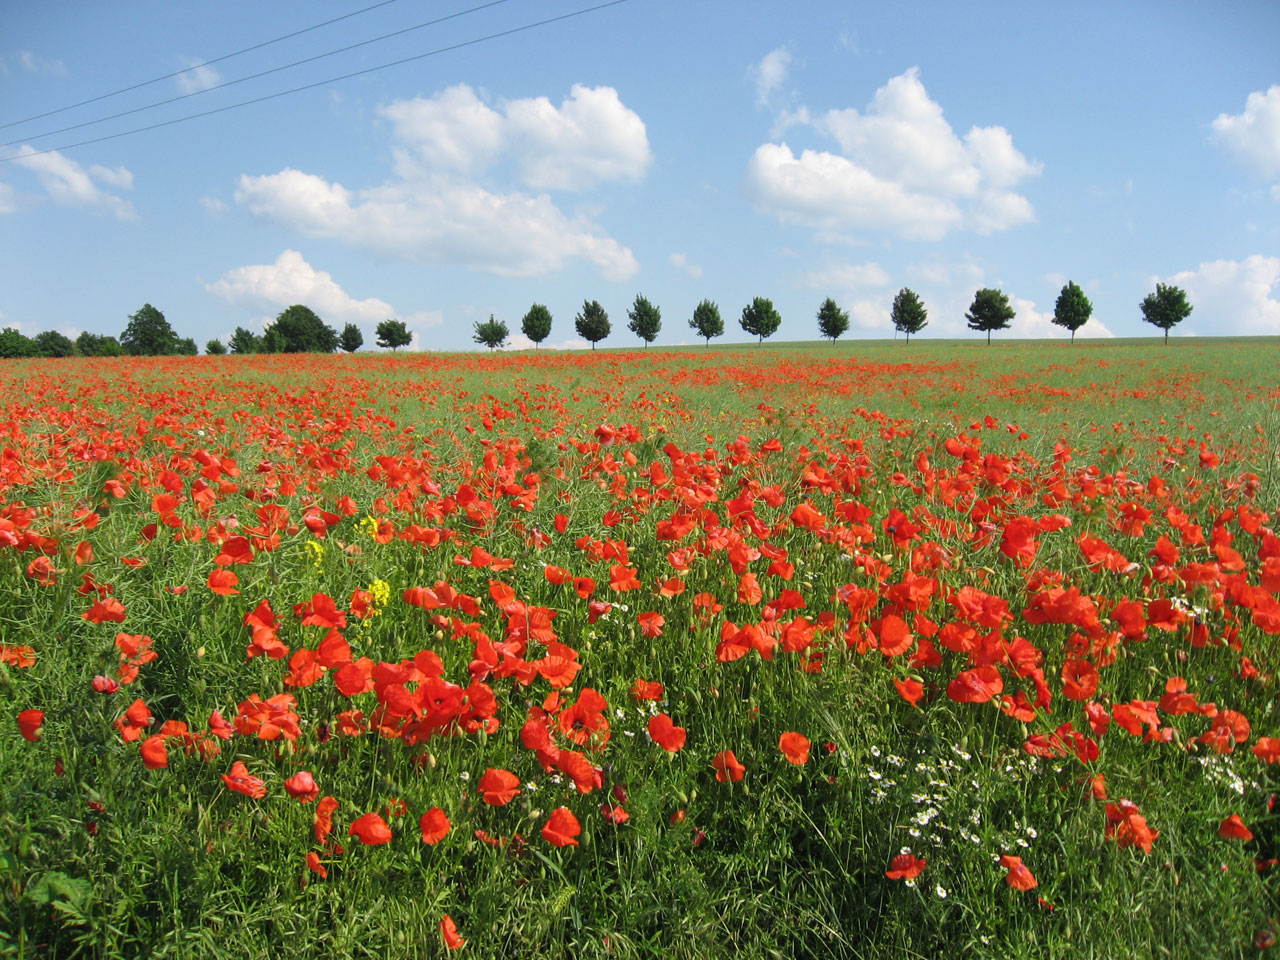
{"x": 683, "y": 150}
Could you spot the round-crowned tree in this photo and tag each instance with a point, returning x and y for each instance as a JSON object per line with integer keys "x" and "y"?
{"x": 989, "y": 311}
{"x": 1165, "y": 308}
{"x": 909, "y": 315}
{"x": 536, "y": 324}
{"x": 393, "y": 334}
{"x": 351, "y": 339}
{"x": 492, "y": 333}
{"x": 646, "y": 319}
{"x": 592, "y": 323}
{"x": 707, "y": 321}
{"x": 148, "y": 334}
{"x": 832, "y": 321}
{"x": 1072, "y": 310}
{"x": 760, "y": 319}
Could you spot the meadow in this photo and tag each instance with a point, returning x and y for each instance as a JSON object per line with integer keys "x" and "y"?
{"x": 864, "y": 650}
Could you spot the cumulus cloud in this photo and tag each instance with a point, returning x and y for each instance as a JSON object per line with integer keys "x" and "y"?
{"x": 1031, "y": 323}
{"x": 436, "y": 211}
{"x": 592, "y": 137}
{"x": 518, "y": 341}
{"x": 213, "y": 206}
{"x": 290, "y": 280}
{"x": 901, "y": 168}
{"x": 681, "y": 262}
{"x": 1253, "y": 137}
{"x": 34, "y": 63}
{"x": 770, "y": 73}
{"x": 69, "y": 185}
{"x": 437, "y": 219}
{"x": 1232, "y": 296}
{"x": 199, "y": 76}
{"x": 8, "y": 203}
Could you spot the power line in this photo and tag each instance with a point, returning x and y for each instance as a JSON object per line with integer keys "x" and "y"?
{"x": 206, "y": 63}
{"x": 318, "y": 83}
{"x": 255, "y": 76}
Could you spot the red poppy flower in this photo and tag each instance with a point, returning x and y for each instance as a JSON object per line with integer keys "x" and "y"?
{"x": 449, "y": 930}
{"x": 1079, "y": 679}
{"x": 727, "y": 767}
{"x": 313, "y": 861}
{"x": 976, "y": 686}
{"x": 324, "y": 817}
{"x": 911, "y": 690}
{"x": 665, "y": 733}
{"x": 370, "y": 830}
{"x": 614, "y": 813}
{"x": 1018, "y": 877}
{"x": 241, "y": 781}
{"x": 1267, "y": 749}
{"x": 154, "y": 754}
{"x": 647, "y": 690}
{"x": 302, "y": 786}
{"x": 499, "y": 787}
{"x": 561, "y": 828}
{"x": 651, "y": 624}
{"x": 795, "y": 747}
{"x": 435, "y": 825}
{"x": 29, "y": 723}
{"x": 906, "y": 866}
{"x": 223, "y": 582}
{"x": 1233, "y": 828}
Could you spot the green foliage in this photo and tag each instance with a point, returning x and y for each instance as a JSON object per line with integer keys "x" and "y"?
{"x": 1073, "y": 309}
{"x": 272, "y": 341}
{"x": 909, "y": 315}
{"x": 393, "y": 334}
{"x": 707, "y": 321}
{"x": 646, "y": 319}
{"x": 97, "y": 345}
{"x": 1166, "y": 308}
{"x": 989, "y": 311}
{"x": 148, "y": 334}
{"x": 760, "y": 319}
{"x": 51, "y": 343}
{"x": 492, "y": 333}
{"x": 214, "y": 348}
{"x": 351, "y": 339}
{"x": 245, "y": 341}
{"x": 832, "y": 321}
{"x": 592, "y": 323}
{"x": 536, "y": 324}
{"x": 185, "y": 347}
{"x": 301, "y": 331}
{"x": 14, "y": 344}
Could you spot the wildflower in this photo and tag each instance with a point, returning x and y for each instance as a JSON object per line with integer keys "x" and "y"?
{"x": 727, "y": 767}
{"x": 905, "y": 866}
{"x": 1018, "y": 877}
{"x": 29, "y": 723}
{"x": 434, "y": 825}
{"x": 371, "y": 830}
{"x": 795, "y": 747}
{"x": 561, "y": 828}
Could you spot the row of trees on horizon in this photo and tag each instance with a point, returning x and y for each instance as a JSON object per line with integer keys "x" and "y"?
{"x": 297, "y": 329}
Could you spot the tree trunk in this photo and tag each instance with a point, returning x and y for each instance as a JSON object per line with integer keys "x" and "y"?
{"x": 1166, "y": 336}
{"x": 988, "y": 338}
{"x": 1073, "y": 335}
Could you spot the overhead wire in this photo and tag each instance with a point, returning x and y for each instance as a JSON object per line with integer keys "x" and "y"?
{"x": 319, "y": 83}
{"x": 197, "y": 66}
{"x": 255, "y": 76}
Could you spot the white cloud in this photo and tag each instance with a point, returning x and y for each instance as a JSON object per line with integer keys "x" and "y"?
{"x": 34, "y": 63}
{"x": 770, "y": 74}
{"x": 846, "y": 276}
{"x": 68, "y": 184}
{"x": 901, "y": 169}
{"x": 7, "y": 202}
{"x": 213, "y": 206}
{"x": 590, "y": 138}
{"x": 1232, "y": 296}
{"x": 292, "y": 280}
{"x": 199, "y": 77}
{"x": 454, "y": 129}
{"x": 1253, "y": 137}
{"x": 437, "y": 219}
{"x": 681, "y": 262}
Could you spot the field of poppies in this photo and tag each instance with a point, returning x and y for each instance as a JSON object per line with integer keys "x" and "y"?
{"x": 856, "y": 651}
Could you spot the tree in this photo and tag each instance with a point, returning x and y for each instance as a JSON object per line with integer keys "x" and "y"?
{"x": 272, "y": 341}
{"x": 1165, "y": 308}
{"x": 302, "y": 331}
{"x": 393, "y": 334}
{"x": 989, "y": 311}
{"x": 351, "y": 339}
{"x": 185, "y": 347}
{"x": 909, "y": 315}
{"x": 97, "y": 345}
{"x": 51, "y": 343}
{"x": 214, "y": 348}
{"x": 492, "y": 333}
{"x": 832, "y": 321}
{"x": 760, "y": 319}
{"x": 14, "y": 344}
{"x": 536, "y": 324}
{"x": 592, "y": 323}
{"x": 148, "y": 334}
{"x": 646, "y": 320}
{"x": 1072, "y": 310}
{"x": 245, "y": 341}
{"x": 706, "y": 320}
